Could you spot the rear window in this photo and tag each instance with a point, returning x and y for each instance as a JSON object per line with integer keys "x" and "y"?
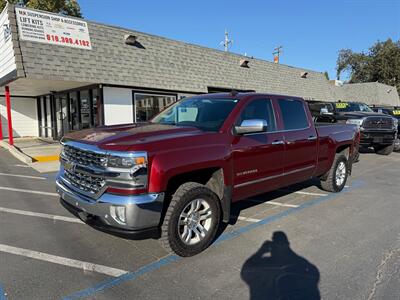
{"x": 293, "y": 114}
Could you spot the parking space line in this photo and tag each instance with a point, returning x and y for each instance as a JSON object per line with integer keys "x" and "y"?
{"x": 40, "y": 215}
{"x": 303, "y": 193}
{"x": 251, "y": 220}
{"x": 89, "y": 292}
{"x": 28, "y": 191}
{"x": 22, "y": 176}
{"x": 272, "y": 203}
{"x": 85, "y": 266}
{"x": 22, "y": 166}
{"x": 3, "y": 294}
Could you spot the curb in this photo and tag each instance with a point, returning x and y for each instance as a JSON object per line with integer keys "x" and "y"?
{"x": 16, "y": 153}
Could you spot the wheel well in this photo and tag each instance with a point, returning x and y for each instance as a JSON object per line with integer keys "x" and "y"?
{"x": 345, "y": 149}
{"x": 213, "y": 178}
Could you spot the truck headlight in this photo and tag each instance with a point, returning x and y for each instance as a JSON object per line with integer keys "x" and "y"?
{"x": 126, "y": 162}
{"x": 357, "y": 122}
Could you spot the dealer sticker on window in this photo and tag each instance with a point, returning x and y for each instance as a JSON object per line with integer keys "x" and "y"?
{"x": 396, "y": 112}
{"x": 341, "y": 105}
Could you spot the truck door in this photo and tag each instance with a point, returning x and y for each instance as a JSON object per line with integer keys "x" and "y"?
{"x": 301, "y": 140}
{"x": 257, "y": 158}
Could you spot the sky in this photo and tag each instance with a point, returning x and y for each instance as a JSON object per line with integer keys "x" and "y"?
{"x": 310, "y": 31}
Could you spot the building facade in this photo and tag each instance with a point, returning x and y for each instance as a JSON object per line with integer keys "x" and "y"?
{"x": 68, "y": 74}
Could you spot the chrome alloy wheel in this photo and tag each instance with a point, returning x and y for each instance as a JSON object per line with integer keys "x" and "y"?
{"x": 340, "y": 174}
{"x": 195, "y": 221}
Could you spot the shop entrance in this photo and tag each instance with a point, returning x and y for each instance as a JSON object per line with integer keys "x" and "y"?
{"x": 63, "y": 112}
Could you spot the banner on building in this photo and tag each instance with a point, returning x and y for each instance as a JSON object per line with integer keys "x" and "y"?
{"x": 37, "y": 26}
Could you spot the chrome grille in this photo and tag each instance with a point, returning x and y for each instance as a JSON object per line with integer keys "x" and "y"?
{"x": 86, "y": 183}
{"x": 378, "y": 123}
{"x": 84, "y": 157}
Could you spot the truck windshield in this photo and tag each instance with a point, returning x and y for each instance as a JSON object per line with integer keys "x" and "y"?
{"x": 352, "y": 106}
{"x": 204, "y": 113}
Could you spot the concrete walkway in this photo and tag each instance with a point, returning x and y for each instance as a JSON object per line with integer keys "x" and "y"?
{"x": 40, "y": 154}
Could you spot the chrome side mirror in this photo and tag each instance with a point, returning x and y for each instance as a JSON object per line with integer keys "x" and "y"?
{"x": 252, "y": 126}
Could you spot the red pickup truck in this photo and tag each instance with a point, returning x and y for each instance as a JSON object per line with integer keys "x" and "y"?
{"x": 177, "y": 175}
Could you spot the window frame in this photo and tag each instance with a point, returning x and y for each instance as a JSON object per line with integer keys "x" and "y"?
{"x": 274, "y": 112}
{"x": 282, "y": 123}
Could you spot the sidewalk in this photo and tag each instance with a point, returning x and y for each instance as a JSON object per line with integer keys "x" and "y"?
{"x": 42, "y": 155}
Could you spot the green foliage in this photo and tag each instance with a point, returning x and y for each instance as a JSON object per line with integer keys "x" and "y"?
{"x": 381, "y": 63}
{"x": 65, "y": 7}
{"x": 326, "y": 75}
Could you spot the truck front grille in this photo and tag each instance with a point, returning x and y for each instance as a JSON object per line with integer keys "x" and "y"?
{"x": 84, "y": 157}
{"x": 378, "y": 123}
{"x": 86, "y": 183}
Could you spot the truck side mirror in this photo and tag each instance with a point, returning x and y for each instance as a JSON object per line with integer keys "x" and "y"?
{"x": 324, "y": 111}
{"x": 252, "y": 126}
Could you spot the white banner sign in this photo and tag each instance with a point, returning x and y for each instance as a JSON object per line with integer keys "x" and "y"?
{"x": 52, "y": 29}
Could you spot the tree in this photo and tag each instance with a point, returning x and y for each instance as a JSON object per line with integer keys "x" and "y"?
{"x": 381, "y": 63}
{"x": 326, "y": 75}
{"x": 65, "y": 7}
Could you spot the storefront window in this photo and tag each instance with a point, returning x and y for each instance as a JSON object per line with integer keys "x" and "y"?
{"x": 85, "y": 109}
{"x": 148, "y": 105}
{"x": 74, "y": 110}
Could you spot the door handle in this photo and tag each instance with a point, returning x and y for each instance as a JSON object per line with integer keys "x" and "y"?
{"x": 278, "y": 142}
{"x": 312, "y": 138}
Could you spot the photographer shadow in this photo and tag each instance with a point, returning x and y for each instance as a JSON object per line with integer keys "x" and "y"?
{"x": 275, "y": 271}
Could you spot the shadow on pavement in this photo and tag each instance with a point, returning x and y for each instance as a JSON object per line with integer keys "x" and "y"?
{"x": 275, "y": 271}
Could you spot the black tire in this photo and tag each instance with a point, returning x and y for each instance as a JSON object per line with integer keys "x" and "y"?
{"x": 384, "y": 150}
{"x": 329, "y": 184}
{"x": 170, "y": 230}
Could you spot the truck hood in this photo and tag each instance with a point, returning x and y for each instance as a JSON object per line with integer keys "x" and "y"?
{"x": 122, "y": 137}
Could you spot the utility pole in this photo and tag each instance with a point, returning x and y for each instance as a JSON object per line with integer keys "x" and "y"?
{"x": 277, "y": 52}
{"x": 226, "y": 42}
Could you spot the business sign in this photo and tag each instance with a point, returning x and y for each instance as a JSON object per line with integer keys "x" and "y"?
{"x": 7, "y": 57}
{"x": 37, "y": 26}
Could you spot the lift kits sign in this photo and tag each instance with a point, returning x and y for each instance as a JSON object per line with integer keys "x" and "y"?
{"x": 37, "y": 26}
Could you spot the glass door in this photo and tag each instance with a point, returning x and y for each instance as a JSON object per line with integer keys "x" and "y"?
{"x": 62, "y": 115}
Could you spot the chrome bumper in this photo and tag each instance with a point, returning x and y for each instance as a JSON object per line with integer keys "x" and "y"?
{"x": 142, "y": 211}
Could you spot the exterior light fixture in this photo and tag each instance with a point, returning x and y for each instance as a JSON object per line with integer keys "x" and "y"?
{"x": 244, "y": 63}
{"x": 304, "y": 74}
{"x": 130, "y": 39}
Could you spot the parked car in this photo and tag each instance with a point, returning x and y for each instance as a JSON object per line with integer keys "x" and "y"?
{"x": 177, "y": 176}
{"x": 393, "y": 111}
{"x": 377, "y": 129}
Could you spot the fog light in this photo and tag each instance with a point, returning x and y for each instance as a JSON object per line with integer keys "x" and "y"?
{"x": 119, "y": 214}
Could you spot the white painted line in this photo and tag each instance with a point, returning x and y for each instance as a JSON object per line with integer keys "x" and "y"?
{"x": 40, "y": 215}
{"x": 248, "y": 219}
{"x": 304, "y": 193}
{"x": 22, "y": 166}
{"x": 28, "y": 191}
{"x": 273, "y": 203}
{"x": 22, "y": 176}
{"x": 85, "y": 266}
{"x": 281, "y": 204}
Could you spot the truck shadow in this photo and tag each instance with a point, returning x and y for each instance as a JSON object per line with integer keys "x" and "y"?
{"x": 275, "y": 271}
{"x": 270, "y": 196}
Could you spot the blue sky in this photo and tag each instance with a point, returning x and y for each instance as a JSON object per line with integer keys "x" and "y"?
{"x": 311, "y": 32}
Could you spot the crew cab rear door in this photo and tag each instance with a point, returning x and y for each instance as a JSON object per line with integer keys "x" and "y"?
{"x": 301, "y": 139}
{"x": 258, "y": 157}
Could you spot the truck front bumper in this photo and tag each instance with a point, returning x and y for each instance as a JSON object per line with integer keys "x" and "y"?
{"x": 370, "y": 138}
{"x": 142, "y": 212}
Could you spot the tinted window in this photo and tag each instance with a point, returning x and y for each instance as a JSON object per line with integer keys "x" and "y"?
{"x": 259, "y": 109}
{"x": 293, "y": 114}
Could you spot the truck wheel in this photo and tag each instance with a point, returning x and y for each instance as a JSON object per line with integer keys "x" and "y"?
{"x": 337, "y": 175}
{"x": 192, "y": 220}
{"x": 385, "y": 150}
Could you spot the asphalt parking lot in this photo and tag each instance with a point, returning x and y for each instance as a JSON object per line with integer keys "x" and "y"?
{"x": 341, "y": 246}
